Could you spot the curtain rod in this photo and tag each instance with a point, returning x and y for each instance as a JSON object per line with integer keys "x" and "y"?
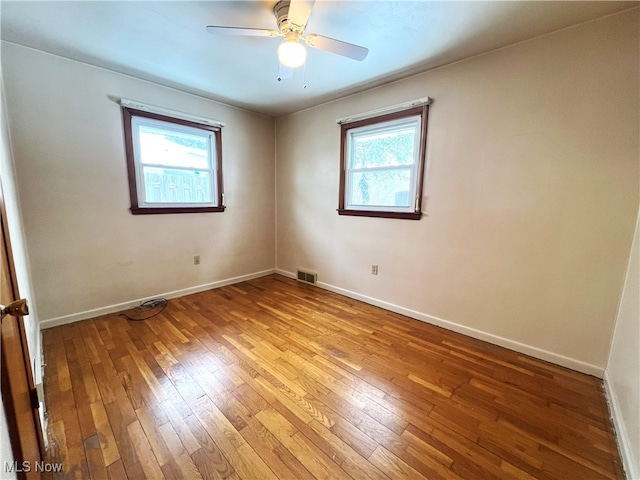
{"x": 382, "y": 111}
{"x": 124, "y": 102}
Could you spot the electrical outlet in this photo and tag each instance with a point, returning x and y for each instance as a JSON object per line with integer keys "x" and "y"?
{"x": 374, "y": 269}
{"x": 196, "y": 259}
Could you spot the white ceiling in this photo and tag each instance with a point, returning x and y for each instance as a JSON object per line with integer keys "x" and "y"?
{"x": 166, "y": 41}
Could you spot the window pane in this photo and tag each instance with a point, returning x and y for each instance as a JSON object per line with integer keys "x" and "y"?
{"x": 384, "y": 147}
{"x": 383, "y": 188}
{"x": 160, "y": 146}
{"x": 164, "y": 185}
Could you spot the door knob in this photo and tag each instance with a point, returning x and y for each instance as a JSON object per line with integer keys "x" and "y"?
{"x": 17, "y": 308}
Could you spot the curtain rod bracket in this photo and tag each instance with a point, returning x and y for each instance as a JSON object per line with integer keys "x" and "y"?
{"x": 382, "y": 111}
{"x": 124, "y": 102}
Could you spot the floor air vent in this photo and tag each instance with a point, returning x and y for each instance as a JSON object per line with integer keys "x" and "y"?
{"x": 307, "y": 277}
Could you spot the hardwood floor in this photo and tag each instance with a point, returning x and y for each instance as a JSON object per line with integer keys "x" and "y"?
{"x": 271, "y": 378}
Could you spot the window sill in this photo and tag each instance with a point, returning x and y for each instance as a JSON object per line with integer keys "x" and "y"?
{"x": 380, "y": 214}
{"x": 161, "y": 210}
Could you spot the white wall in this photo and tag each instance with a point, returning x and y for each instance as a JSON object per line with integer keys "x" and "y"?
{"x": 531, "y": 195}
{"x": 622, "y": 377}
{"x": 88, "y": 253}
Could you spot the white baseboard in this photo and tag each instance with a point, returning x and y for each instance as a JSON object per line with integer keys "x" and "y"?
{"x": 631, "y": 468}
{"x": 96, "y": 312}
{"x": 536, "y": 352}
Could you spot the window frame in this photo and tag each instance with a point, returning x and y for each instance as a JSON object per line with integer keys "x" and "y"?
{"x": 345, "y": 128}
{"x": 134, "y": 171}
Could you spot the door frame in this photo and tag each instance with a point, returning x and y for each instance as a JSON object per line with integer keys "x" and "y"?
{"x": 17, "y": 384}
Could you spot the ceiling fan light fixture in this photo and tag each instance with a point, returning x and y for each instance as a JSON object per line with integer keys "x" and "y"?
{"x": 291, "y": 17}
{"x": 292, "y": 53}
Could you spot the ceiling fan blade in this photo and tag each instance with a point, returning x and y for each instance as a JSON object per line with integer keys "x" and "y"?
{"x": 338, "y": 47}
{"x": 299, "y": 11}
{"x": 251, "y": 32}
{"x": 284, "y": 72}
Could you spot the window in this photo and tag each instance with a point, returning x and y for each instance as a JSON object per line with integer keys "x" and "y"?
{"x": 175, "y": 165}
{"x": 382, "y": 164}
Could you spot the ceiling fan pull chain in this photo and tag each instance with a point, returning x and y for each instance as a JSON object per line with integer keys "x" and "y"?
{"x": 304, "y": 76}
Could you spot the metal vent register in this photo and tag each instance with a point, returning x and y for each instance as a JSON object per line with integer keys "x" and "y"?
{"x": 307, "y": 277}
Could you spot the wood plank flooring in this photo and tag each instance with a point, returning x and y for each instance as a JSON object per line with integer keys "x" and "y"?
{"x": 273, "y": 379}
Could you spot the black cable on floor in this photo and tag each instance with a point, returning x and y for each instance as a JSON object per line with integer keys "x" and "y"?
{"x": 139, "y": 313}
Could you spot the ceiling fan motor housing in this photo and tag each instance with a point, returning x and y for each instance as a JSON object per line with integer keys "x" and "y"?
{"x": 281, "y": 11}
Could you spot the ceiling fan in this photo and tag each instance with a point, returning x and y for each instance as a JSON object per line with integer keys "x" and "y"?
{"x": 292, "y": 17}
